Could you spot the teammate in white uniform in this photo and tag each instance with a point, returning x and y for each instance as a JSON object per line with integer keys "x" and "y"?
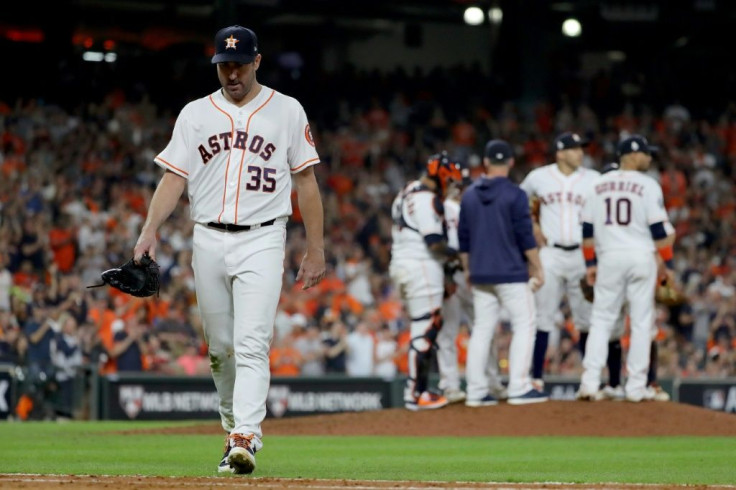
{"x": 236, "y": 151}
{"x": 456, "y": 307}
{"x": 559, "y": 189}
{"x": 418, "y": 253}
{"x": 624, "y": 220}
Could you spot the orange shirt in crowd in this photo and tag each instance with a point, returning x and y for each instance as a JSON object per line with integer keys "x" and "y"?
{"x": 62, "y": 244}
{"x": 402, "y": 345}
{"x": 674, "y": 186}
{"x": 285, "y": 361}
{"x": 461, "y": 342}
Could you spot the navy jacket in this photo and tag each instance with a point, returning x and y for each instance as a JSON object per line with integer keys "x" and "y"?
{"x": 495, "y": 229}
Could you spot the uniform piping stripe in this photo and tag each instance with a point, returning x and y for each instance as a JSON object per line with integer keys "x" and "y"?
{"x": 242, "y": 156}
{"x": 303, "y": 164}
{"x": 227, "y": 167}
{"x": 174, "y": 167}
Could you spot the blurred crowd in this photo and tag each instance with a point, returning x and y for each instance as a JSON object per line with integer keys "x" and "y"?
{"x": 75, "y": 185}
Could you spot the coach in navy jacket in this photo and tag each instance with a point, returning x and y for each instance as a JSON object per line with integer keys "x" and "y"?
{"x": 499, "y": 254}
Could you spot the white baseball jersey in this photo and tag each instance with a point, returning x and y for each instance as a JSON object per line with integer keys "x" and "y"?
{"x": 561, "y": 201}
{"x": 238, "y": 161}
{"x": 416, "y": 214}
{"x": 621, "y": 205}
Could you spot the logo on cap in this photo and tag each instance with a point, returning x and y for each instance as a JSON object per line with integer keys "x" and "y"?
{"x": 231, "y": 42}
{"x": 634, "y": 146}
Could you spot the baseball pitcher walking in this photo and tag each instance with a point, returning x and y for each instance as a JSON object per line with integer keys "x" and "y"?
{"x": 236, "y": 151}
{"x": 624, "y": 220}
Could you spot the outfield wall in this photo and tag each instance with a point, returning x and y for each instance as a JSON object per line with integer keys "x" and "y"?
{"x": 153, "y": 397}
{"x": 156, "y": 398}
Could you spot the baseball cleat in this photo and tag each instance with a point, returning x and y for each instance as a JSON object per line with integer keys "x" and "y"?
{"x": 531, "y": 396}
{"x": 643, "y": 395}
{"x": 486, "y": 401}
{"x": 587, "y": 396}
{"x": 242, "y": 455}
{"x": 454, "y": 396}
{"x": 500, "y": 393}
{"x": 616, "y": 394}
{"x": 224, "y": 466}
{"x": 658, "y": 394}
{"x": 426, "y": 401}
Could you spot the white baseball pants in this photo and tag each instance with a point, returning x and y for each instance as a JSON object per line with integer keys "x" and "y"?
{"x": 421, "y": 286}
{"x": 238, "y": 279}
{"x": 518, "y": 300}
{"x": 454, "y": 309}
{"x": 628, "y": 275}
{"x": 563, "y": 270}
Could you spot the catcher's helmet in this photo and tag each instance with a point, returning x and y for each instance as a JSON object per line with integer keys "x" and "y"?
{"x": 443, "y": 170}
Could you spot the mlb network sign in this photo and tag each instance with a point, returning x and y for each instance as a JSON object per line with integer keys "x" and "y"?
{"x": 715, "y": 396}
{"x": 161, "y": 398}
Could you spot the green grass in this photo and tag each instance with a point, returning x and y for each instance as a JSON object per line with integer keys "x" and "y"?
{"x": 92, "y": 448}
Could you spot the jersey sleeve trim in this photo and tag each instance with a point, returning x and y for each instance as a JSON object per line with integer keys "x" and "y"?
{"x": 171, "y": 166}
{"x": 296, "y": 169}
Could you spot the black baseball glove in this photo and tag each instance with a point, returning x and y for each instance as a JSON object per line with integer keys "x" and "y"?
{"x": 139, "y": 280}
{"x": 587, "y": 289}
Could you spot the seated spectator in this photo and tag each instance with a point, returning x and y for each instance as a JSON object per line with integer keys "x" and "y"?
{"x": 385, "y": 352}
{"x": 191, "y": 362}
{"x": 129, "y": 345}
{"x": 312, "y": 352}
{"x": 285, "y": 359}
{"x": 360, "y": 351}
{"x": 335, "y": 341}
{"x": 66, "y": 356}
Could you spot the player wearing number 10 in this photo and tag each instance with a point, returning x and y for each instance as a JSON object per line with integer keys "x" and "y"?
{"x": 624, "y": 220}
{"x": 236, "y": 151}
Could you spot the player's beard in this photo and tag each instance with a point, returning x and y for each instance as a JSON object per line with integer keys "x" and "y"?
{"x": 240, "y": 90}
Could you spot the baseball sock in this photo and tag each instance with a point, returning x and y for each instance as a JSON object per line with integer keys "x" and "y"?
{"x": 652, "y": 374}
{"x": 581, "y": 343}
{"x": 614, "y": 363}
{"x": 540, "y": 349}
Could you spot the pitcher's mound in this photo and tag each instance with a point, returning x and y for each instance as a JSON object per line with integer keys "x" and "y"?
{"x": 554, "y": 418}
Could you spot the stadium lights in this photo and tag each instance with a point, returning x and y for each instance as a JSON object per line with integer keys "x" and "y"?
{"x": 571, "y": 27}
{"x": 473, "y": 16}
{"x": 97, "y": 56}
{"x": 495, "y": 15}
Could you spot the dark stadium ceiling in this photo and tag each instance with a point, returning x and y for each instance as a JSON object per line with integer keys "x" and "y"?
{"x": 605, "y": 22}
{"x": 190, "y": 13}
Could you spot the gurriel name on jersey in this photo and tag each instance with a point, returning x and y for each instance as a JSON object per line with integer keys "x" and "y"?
{"x": 620, "y": 186}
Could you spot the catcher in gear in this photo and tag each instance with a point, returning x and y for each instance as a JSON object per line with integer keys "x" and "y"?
{"x": 136, "y": 279}
{"x": 418, "y": 253}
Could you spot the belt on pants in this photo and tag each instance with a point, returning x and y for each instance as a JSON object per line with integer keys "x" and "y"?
{"x": 567, "y": 248}
{"x": 231, "y": 227}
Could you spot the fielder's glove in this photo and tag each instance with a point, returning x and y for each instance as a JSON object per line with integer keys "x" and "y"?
{"x": 139, "y": 280}
{"x": 668, "y": 294}
{"x": 587, "y": 289}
